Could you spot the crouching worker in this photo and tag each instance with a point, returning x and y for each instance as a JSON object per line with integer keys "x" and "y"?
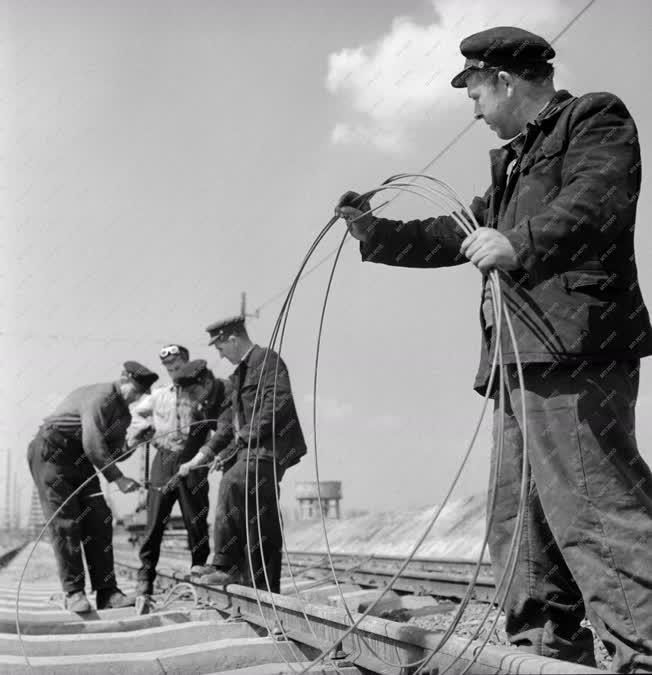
{"x": 86, "y": 431}
{"x": 249, "y": 484}
{"x": 180, "y": 417}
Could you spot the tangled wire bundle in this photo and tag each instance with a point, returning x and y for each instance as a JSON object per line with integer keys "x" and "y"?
{"x": 442, "y": 197}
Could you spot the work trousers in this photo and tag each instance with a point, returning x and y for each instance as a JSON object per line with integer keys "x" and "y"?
{"x": 192, "y": 494}
{"x": 85, "y": 522}
{"x": 586, "y": 547}
{"x": 258, "y": 560}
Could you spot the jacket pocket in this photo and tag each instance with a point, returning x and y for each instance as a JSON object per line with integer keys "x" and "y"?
{"x": 546, "y": 153}
{"x": 552, "y": 146}
{"x": 591, "y": 280}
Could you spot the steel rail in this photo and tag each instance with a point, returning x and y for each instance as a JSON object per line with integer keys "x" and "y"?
{"x": 386, "y": 639}
{"x": 438, "y": 583}
{"x": 418, "y": 582}
{"x": 309, "y": 558}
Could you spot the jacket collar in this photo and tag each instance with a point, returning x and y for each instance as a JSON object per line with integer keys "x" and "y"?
{"x": 499, "y": 157}
{"x": 247, "y": 355}
{"x": 559, "y": 101}
{"x": 548, "y": 115}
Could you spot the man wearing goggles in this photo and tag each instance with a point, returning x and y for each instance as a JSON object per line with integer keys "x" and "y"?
{"x": 169, "y": 418}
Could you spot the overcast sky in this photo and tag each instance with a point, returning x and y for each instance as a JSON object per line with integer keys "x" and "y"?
{"x": 161, "y": 157}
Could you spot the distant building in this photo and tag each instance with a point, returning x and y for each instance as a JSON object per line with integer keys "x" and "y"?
{"x": 313, "y": 496}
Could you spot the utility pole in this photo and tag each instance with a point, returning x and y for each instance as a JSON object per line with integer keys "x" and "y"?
{"x": 36, "y": 517}
{"x": 243, "y": 307}
{"x": 17, "y": 518}
{"x": 6, "y": 520}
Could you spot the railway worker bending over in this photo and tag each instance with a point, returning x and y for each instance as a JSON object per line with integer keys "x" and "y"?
{"x": 171, "y": 416}
{"x": 558, "y": 224}
{"x": 272, "y": 431}
{"x": 86, "y": 431}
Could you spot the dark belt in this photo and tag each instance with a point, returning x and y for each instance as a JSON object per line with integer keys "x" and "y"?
{"x": 55, "y": 437}
{"x": 259, "y": 453}
{"x": 265, "y": 457}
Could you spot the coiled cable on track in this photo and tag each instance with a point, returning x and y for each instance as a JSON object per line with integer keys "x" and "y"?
{"x": 449, "y": 196}
{"x": 467, "y": 222}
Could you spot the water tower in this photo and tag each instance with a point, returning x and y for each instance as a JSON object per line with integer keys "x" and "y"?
{"x": 308, "y": 495}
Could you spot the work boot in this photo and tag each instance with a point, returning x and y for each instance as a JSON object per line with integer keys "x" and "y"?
{"x": 112, "y": 598}
{"x": 144, "y": 588}
{"x": 202, "y": 570}
{"x": 77, "y": 602}
{"x": 218, "y": 578}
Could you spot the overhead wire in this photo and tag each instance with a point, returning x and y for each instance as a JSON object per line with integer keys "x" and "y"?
{"x": 461, "y": 133}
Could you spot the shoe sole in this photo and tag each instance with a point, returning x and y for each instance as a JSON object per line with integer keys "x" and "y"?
{"x": 80, "y": 610}
{"x": 100, "y": 609}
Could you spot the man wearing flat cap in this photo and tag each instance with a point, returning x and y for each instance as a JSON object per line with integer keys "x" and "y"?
{"x": 558, "y": 224}
{"x": 258, "y": 437}
{"x": 86, "y": 432}
{"x": 177, "y": 418}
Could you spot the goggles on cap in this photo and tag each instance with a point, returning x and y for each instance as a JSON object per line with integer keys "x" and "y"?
{"x": 169, "y": 350}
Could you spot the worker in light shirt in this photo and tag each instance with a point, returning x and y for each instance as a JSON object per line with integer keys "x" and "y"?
{"x": 171, "y": 418}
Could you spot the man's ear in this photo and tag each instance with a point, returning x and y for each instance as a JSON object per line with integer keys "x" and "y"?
{"x": 507, "y": 80}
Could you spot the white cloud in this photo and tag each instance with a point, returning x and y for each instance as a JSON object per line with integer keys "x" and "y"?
{"x": 383, "y": 137}
{"x": 401, "y": 79}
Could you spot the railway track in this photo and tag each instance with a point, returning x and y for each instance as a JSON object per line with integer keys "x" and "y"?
{"x": 205, "y": 629}
{"x": 423, "y": 576}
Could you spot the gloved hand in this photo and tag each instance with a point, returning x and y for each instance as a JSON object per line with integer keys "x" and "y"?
{"x": 351, "y": 206}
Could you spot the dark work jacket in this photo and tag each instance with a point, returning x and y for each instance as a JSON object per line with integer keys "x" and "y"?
{"x": 92, "y": 420}
{"x": 207, "y": 398}
{"x": 568, "y": 210}
{"x": 274, "y": 425}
